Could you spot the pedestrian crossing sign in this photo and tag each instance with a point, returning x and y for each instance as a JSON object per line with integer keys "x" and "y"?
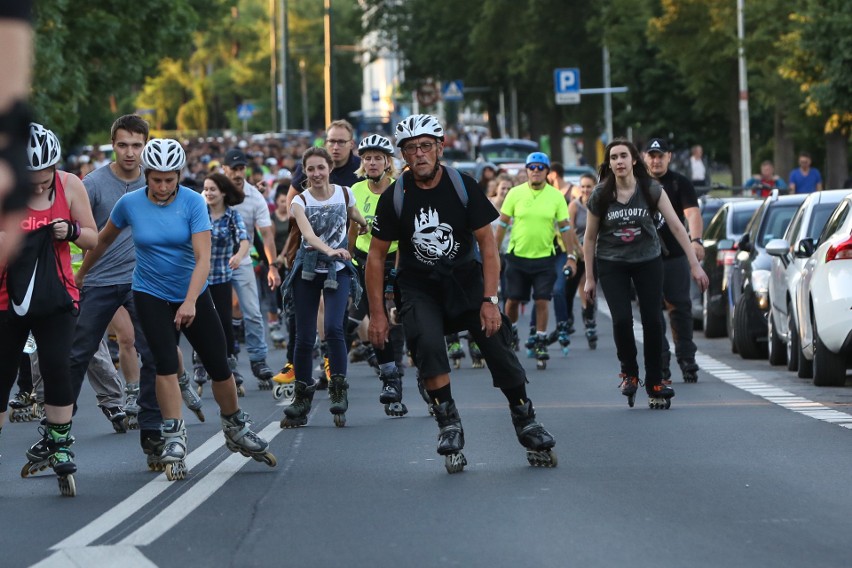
{"x": 453, "y": 91}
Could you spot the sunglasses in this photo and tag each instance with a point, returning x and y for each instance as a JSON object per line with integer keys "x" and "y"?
{"x": 537, "y": 168}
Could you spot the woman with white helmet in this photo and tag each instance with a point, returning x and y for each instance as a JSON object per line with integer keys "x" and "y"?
{"x": 377, "y": 166}
{"x": 171, "y": 231}
{"x": 58, "y": 213}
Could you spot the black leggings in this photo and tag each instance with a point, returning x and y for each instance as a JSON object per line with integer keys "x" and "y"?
{"x": 157, "y": 318}
{"x": 647, "y": 277}
{"x": 222, "y": 295}
{"x": 53, "y": 335}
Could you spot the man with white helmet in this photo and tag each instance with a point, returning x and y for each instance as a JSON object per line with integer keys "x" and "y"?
{"x": 377, "y": 166}
{"x": 57, "y": 214}
{"x": 171, "y": 231}
{"x": 439, "y": 217}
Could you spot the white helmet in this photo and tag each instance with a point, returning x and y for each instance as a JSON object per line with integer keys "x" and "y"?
{"x": 163, "y": 155}
{"x": 376, "y": 142}
{"x": 418, "y": 125}
{"x": 43, "y": 149}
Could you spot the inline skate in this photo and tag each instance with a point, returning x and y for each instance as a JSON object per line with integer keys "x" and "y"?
{"x": 454, "y": 350}
{"x": 324, "y": 376}
{"x": 116, "y": 417}
{"x": 276, "y": 334}
{"x": 591, "y": 326}
{"x": 338, "y": 394}
{"x": 263, "y": 374}
{"x": 53, "y": 451}
{"x": 690, "y": 370}
{"x": 532, "y": 435}
{"x": 173, "y": 454}
{"x": 541, "y": 355}
{"x": 238, "y": 378}
{"x": 660, "y": 397}
{"x": 629, "y": 386}
{"x": 296, "y": 414}
{"x": 199, "y": 373}
{"x": 477, "y": 362}
{"x": 450, "y": 436}
{"x": 190, "y": 397}
{"x": 152, "y": 446}
{"x": 284, "y": 383}
{"x": 530, "y": 343}
{"x": 131, "y": 405}
{"x": 24, "y": 407}
{"x": 563, "y": 336}
{"x": 240, "y": 438}
{"x": 391, "y": 395}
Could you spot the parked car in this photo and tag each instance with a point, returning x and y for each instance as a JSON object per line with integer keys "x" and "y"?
{"x": 824, "y": 302}
{"x": 786, "y": 271}
{"x": 708, "y": 206}
{"x": 572, "y": 173}
{"x": 721, "y": 235}
{"x": 510, "y": 154}
{"x": 747, "y": 281}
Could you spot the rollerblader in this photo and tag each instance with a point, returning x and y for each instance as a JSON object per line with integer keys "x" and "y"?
{"x": 621, "y": 246}
{"x": 676, "y": 283}
{"x": 578, "y": 212}
{"x": 321, "y": 268}
{"x": 171, "y": 292}
{"x": 439, "y": 217}
{"x": 536, "y": 260}
{"x": 59, "y": 213}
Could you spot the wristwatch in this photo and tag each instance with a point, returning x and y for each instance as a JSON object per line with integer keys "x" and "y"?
{"x": 698, "y": 240}
{"x": 490, "y": 300}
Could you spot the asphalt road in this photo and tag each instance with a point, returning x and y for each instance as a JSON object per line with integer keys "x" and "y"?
{"x": 749, "y": 467}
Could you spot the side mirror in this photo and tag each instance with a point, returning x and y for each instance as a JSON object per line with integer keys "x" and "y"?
{"x": 805, "y": 248}
{"x": 745, "y": 243}
{"x": 726, "y": 244}
{"x": 778, "y": 247}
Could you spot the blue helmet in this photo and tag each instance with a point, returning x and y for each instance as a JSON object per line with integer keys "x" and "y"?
{"x": 538, "y": 158}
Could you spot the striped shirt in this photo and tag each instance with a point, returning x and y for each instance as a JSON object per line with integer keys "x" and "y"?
{"x": 228, "y": 231}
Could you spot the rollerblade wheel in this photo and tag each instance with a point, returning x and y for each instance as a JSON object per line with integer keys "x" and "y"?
{"x": 396, "y": 409}
{"x": 541, "y": 365}
{"x": 176, "y": 470}
{"x": 132, "y": 423}
{"x": 67, "y": 487}
{"x": 340, "y": 420}
{"x": 199, "y": 414}
{"x": 199, "y": 389}
{"x": 287, "y": 422}
{"x": 631, "y": 400}
{"x": 278, "y": 392}
{"x": 241, "y": 390}
{"x": 267, "y": 457}
{"x": 455, "y": 462}
{"x": 156, "y": 466}
{"x": 31, "y": 468}
{"x": 565, "y": 351}
{"x": 264, "y": 385}
{"x": 542, "y": 458}
{"x": 457, "y": 363}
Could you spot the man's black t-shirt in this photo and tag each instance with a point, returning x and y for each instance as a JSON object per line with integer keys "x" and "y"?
{"x": 681, "y": 193}
{"x": 435, "y": 228}
{"x": 344, "y": 175}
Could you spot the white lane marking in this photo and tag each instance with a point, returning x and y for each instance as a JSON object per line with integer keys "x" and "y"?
{"x": 96, "y": 556}
{"x": 181, "y": 507}
{"x": 746, "y": 382}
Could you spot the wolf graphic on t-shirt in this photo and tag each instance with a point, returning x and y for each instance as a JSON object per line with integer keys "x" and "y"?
{"x": 432, "y": 239}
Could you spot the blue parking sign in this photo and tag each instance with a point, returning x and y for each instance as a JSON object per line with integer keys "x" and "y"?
{"x": 566, "y": 86}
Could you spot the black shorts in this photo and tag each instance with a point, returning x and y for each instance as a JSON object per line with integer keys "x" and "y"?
{"x": 523, "y": 274}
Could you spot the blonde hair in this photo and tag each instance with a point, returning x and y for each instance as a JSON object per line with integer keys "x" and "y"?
{"x": 392, "y": 170}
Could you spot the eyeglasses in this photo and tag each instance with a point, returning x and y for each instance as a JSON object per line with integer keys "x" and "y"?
{"x": 537, "y": 168}
{"x": 337, "y": 142}
{"x": 411, "y": 149}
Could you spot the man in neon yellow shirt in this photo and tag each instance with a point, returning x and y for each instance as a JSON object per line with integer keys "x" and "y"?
{"x": 534, "y": 207}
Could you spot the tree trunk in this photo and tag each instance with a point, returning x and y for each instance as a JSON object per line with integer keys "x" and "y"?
{"x": 836, "y": 161}
{"x": 783, "y": 155}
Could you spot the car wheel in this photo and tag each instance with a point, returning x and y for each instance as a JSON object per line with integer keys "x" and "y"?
{"x": 747, "y": 345}
{"x": 829, "y": 368}
{"x": 714, "y": 325}
{"x": 805, "y": 370}
{"x": 730, "y": 314}
{"x": 777, "y": 348}
{"x": 793, "y": 350}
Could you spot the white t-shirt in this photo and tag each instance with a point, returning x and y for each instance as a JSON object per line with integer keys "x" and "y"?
{"x": 699, "y": 172}
{"x": 255, "y": 213}
{"x": 327, "y": 218}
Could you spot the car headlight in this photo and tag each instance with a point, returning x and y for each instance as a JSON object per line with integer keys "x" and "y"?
{"x": 760, "y": 286}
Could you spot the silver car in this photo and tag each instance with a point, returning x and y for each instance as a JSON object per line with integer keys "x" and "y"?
{"x": 786, "y": 273}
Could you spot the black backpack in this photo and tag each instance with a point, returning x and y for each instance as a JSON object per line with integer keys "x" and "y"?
{"x": 34, "y": 280}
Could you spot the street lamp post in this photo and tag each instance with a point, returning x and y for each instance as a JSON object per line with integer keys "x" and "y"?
{"x": 745, "y": 136}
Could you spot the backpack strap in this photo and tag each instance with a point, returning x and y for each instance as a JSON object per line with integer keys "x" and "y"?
{"x": 455, "y": 178}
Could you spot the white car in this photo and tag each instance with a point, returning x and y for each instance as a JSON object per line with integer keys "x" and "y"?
{"x": 786, "y": 272}
{"x": 824, "y": 301}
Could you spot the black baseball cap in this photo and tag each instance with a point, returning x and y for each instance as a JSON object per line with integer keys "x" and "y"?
{"x": 234, "y": 158}
{"x": 656, "y": 145}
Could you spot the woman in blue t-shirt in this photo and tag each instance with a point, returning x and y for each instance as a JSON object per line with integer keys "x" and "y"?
{"x": 622, "y": 236}
{"x": 171, "y": 232}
